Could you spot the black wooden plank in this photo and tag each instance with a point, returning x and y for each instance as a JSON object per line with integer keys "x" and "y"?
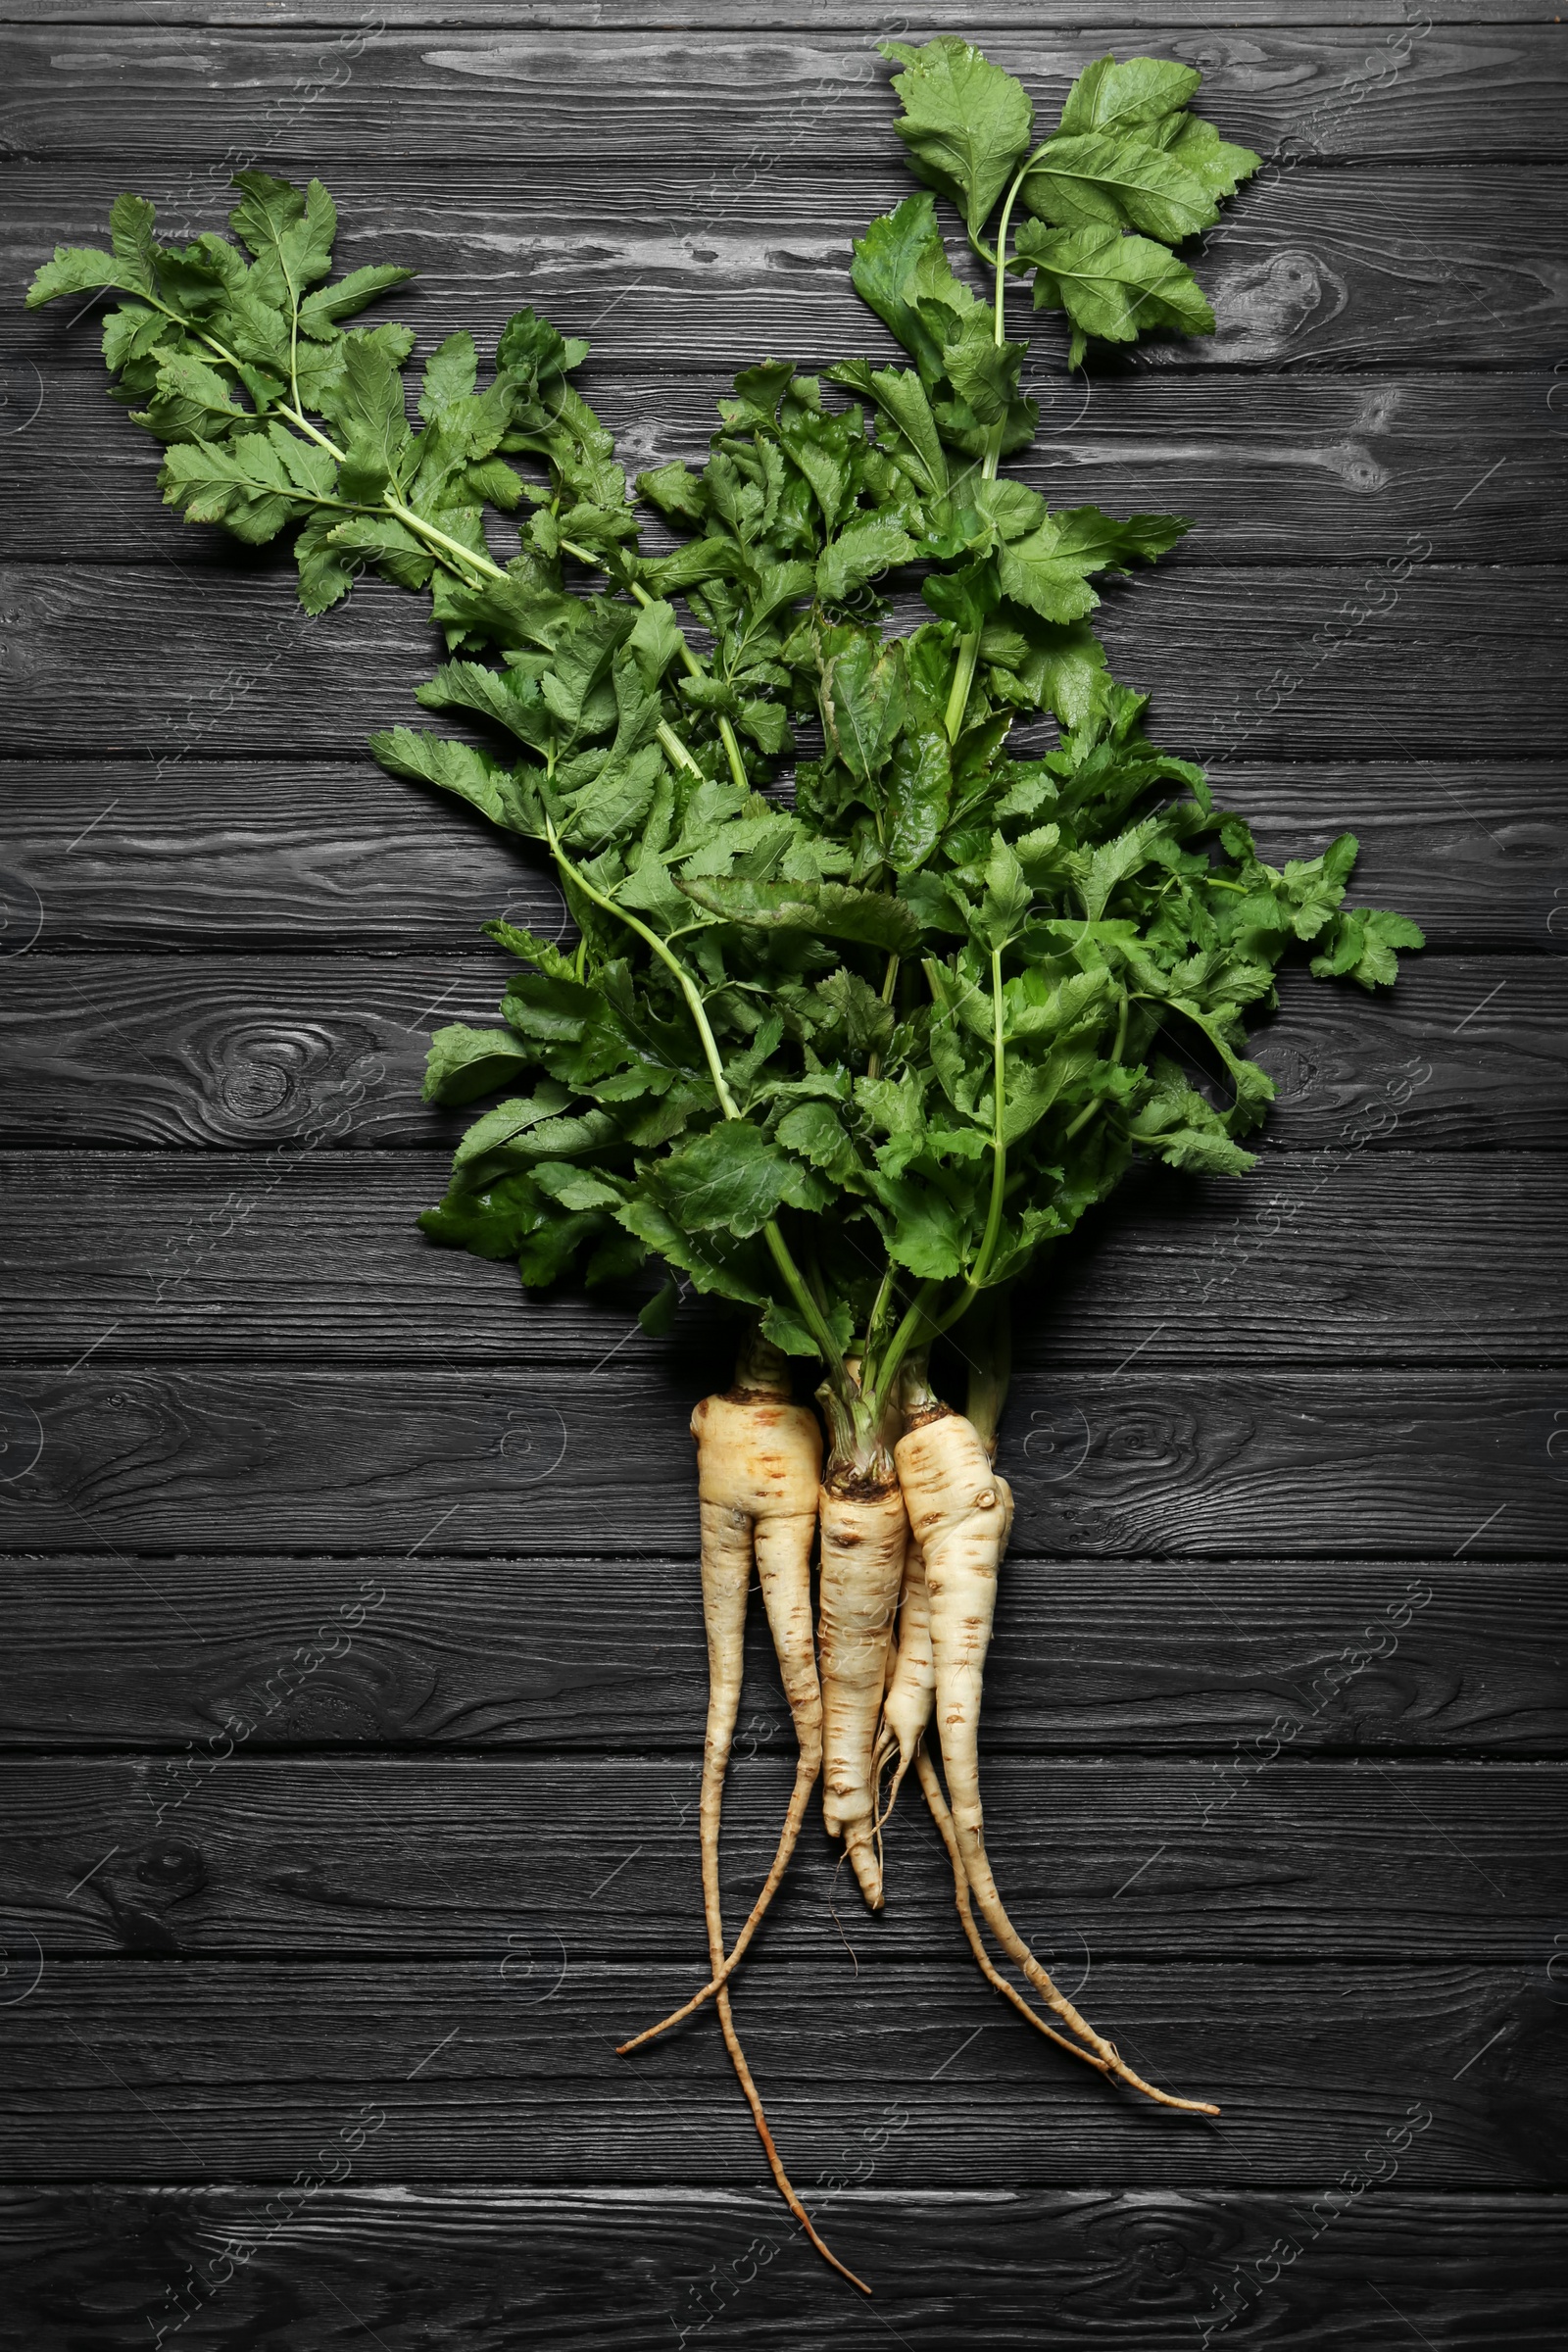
{"x": 110, "y": 854}
{"x": 920, "y": 16}
{"x": 524, "y": 1463}
{"x": 617, "y": 2270}
{"x": 138, "y": 2070}
{"x": 281, "y": 1057}
{"x": 221, "y": 1855}
{"x": 739, "y": 99}
{"x": 1312, "y": 468}
{"x": 1386, "y": 1258}
{"x": 1438, "y": 1656}
{"x": 673, "y": 264}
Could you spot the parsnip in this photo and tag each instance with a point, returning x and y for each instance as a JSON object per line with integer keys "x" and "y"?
{"x": 960, "y": 1513}
{"x": 758, "y": 1470}
{"x": 758, "y": 1462}
{"x": 864, "y": 1541}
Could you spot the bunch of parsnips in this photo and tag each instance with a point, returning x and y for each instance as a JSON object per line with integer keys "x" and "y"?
{"x": 851, "y": 1056}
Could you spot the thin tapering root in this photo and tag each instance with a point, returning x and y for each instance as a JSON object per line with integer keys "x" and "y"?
{"x": 776, "y": 2164}
{"x": 912, "y": 1685}
{"x": 960, "y": 1891}
{"x": 724, "y": 1605}
{"x": 805, "y": 1778}
{"x": 783, "y": 1541}
{"x": 983, "y": 1887}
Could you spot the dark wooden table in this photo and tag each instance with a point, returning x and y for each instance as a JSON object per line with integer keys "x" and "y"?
{"x": 1278, "y": 1720}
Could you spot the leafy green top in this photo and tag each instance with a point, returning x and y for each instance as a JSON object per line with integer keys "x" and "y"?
{"x": 854, "y": 1056}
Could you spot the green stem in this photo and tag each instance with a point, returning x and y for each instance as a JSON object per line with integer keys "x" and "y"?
{"x": 811, "y": 1315}
{"x": 893, "y": 1356}
{"x": 999, "y": 1165}
{"x": 450, "y": 547}
{"x": 998, "y": 1147}
{"x": 732, "y": 752}
{"x": 890, "y": 981}
{"x": 970, "y": 646}
{"x": 675, "y": 748}
{"x": 693, "y": 667}
{"x": 815, "y": 1321}
{"x": 688, "y": 987}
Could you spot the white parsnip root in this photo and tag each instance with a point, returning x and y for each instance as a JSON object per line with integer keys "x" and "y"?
{"x": 912, "y": 1685}
{"x": 960, "y": 1513}
{"x": 758, "y": 1468}
{"x": 759, "y": 1459}
{"x": 864, "y": 1537}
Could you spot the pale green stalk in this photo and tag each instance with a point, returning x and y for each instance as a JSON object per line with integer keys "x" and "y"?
{"x": 815, "y": 1321}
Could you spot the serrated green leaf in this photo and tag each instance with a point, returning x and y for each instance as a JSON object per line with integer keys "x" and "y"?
{"x": 1107, "y": 96}
{"x": 1112, "y": 286}
{"x": 901, "y": 264}
{"x": 824, "y": 910}
{"x": 321, "y": 311}
{"x": 918, "y": 794}
{"x": 732, "y": 1180}
{"x": 1120, "y": 180}
{"x": 858, "y": 555}
{"x": 1048, "y": 571}
{"x": 1363, "y": 946}
{"x": 463, "y": 1063}
{"x": 78, "y": 269}
{"x": 966, "y": 123}
{"x": 504, "y": 799}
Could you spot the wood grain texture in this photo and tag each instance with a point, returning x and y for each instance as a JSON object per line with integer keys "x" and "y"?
{"x": 1463, "y": 92}
{"x": 1302, "y": 678}
{"x": 923, "y": 17}
{"x": 1289, "y": 1454}
{"x": 615, "y": 2269}
{"x": 223, "y": 1855}
{"x": 542, "y": 1462}
{"x": 284, "y": 1059}
{"x": 245, "y": 853}
{"x": 669, "y": 266}
{"x": 138, "y": 2070}
{"x": 502, "y": 1655}
{"x": 1363, "y": 1258}
{"x": 1309, "y": 470}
